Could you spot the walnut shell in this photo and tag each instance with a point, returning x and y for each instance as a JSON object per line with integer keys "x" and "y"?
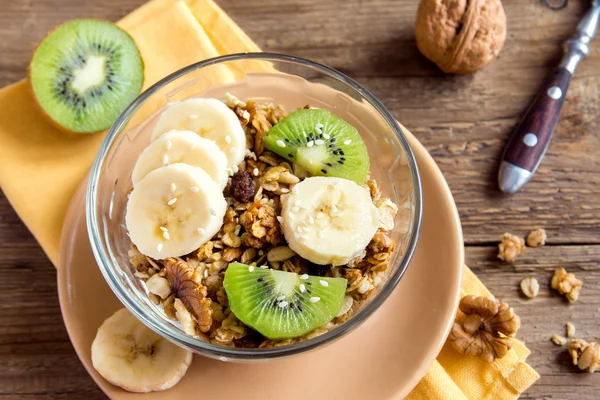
{"x": 460, "y": 36}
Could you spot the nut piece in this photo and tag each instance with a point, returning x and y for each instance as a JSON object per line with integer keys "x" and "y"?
{"x": 159, "y": 286}
{"x": 280, "y": 253}
{"x": 566, "y": 284}
{"x": 185, "y": 318}
{"x": 510, "y": 247}
{"x": 585, "y": 355}
{"x": 558, "y": 340}
{"x": 485, "y": 329}
{"x": 536, "y": 238}
{"x": 460, "y": 36}
{"x": 570, "y": 330}
{"x": 186, "y": 285}
{"x": 260, "y": 225}
{"x": 530, "y": 287}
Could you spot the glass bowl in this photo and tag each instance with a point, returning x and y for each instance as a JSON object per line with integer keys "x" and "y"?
{"x": 293, "y": 82}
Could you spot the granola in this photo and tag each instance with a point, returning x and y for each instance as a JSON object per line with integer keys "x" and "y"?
{"x": 190, "y": 288}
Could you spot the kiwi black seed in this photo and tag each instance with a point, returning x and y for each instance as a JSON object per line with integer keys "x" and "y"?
{"x": 282, "y": 305}
{"x": 85, "y": 73}
{"x": 321, "y": 143}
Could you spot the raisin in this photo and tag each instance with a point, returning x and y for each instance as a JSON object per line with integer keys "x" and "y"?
{"x": 242, "y": 186}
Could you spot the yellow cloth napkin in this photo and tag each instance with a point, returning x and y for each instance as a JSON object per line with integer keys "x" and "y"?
{"x": 41, "y": 167}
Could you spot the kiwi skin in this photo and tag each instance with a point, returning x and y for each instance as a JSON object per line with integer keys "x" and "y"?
{"x": 38, "y": 106}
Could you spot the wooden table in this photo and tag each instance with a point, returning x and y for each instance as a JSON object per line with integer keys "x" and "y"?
{"x": 463, "y": 120}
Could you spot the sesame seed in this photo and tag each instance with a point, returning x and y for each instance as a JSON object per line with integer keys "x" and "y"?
{"x": 159, "y": 247}
{"x": 320, "y": 215}
{"x": 172, "y": 201}
{"x": 297, "y": 202}
{"x": 228, "y": 139}
{"x": 302, "y": 288}
{"x": 280, "y": 143}
{"x": 319, "y": 126}
{"x": 284, "y": 190}
{"x": 260, "y": 253}
{"x": 283, "y": 304}
{"x": 205, "y": 273}
{"x": 212, "y": 211}
{"x": 294, "y": 209}
{"x": 304, "y": 133}
{"x": 250, "y": 268}
{"x": 334, "y": 208}
{"x": 347, "y": 141}
{"x": 255, "y": 171}
{"x": 173, "y": 187}
{"x": 280, "y": 219}
{"x": 291, "y": 215}
{"x": 165, "y": 159}
{"x": 162, "y": 228}
{"x": 201, "y": 231}
{"x": 235, "y": 169}
{"x": 280, "y": 298}
{"x": 304, "y": 276}
{"x": 166, "y": 235}
{"x": 310, "y": 143}
{"x": 168, "y": 145}
{"x": 299, "y": 229}
{"x": 314, "y": 299}
{"x": 194, "y": 116}
{"x": 264, "y": 200}
{"x": 311, "y": 220}
{"x": 264, "y": 267}
{"x": 195, "y": 189}
{"x": 246, "y": 115}
{"x": 302, "y": 237}
{"x": 323, "y": 283}
{"x": 319, "y": 142}
{"x": 326, "y": 136}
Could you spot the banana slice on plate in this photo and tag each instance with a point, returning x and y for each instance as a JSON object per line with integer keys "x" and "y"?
{"x": 328, "y": 220}
{"x": 174, "y": 210}
{"x": 182, "y": 147}
{"x": 209, "y": 118}
{"x": 130, "y": 355}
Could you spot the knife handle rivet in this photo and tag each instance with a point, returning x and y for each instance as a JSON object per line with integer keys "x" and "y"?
{"x": 554, "y": 92}
{"x": 530, "y": 139}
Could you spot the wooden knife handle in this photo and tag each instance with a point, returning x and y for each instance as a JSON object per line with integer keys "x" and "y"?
{"x": 531, "y": 138}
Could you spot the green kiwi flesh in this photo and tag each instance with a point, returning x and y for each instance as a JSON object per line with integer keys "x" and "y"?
{"x": 321, "y": 143}
{"x": 278, "y": 304}
{"x": 85, "y": 73}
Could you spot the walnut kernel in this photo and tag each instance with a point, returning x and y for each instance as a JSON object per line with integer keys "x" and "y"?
{"x": 485, "y": 329}
{"x": 510, "y": 247}
{"x": 536, "y": 238}
{"x": 558, "y": 340}
{"x": 530, "y": 287}
{"x": 566, "y": 284}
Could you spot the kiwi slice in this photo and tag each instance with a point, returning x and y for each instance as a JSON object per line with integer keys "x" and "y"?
{"x": 321, "y": 143}
{"x": 85, "y": 73}
{"x": 282, "y": 305}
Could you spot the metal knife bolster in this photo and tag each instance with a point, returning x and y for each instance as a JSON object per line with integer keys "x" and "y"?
{"x": 531, "y": 138}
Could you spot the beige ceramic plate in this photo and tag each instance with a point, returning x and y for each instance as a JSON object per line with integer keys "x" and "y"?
{"x": 384, "y": 358}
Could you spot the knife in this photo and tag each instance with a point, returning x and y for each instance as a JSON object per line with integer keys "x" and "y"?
{"x": 529, "y": 141}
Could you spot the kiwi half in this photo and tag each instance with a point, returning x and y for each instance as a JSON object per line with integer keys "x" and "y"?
{"x": 321, "y": 143}
{"x": 85, "y": 73}
{"x": 282, "y": 305}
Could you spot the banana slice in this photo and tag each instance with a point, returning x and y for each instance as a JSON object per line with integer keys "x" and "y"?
{"x": 209, "y": 118}
{"x": 174, "y": 210}
{"x": 130, "y": 355}
{"x": 328, "y": 220}
{"x": 182, "y": 147}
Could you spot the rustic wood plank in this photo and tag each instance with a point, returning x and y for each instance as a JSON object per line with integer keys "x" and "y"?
{"x": 463, "y": 121}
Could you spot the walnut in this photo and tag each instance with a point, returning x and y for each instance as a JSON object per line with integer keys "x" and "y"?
{"x": 460, "y": 36}
{"x": 485, "y": 329}
{"x": 566, "y": 284}
{"x": 536, "y": 238}
{"x": 585, "y": 355}
{"x": 186, "y": 284}
{"x": 261, "y": 226}
{"x": 530, "y": 287}
{"x": 510, "y": 247}
{"x": 242, "y": 186}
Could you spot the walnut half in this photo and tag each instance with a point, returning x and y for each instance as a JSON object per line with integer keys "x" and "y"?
{"x": 510, "y": 247}
{"x": 485, "y": 329}
{"x": 566, "y": 284}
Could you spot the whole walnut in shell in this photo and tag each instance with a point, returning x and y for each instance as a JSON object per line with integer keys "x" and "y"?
{"x": 460, "y": 36}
